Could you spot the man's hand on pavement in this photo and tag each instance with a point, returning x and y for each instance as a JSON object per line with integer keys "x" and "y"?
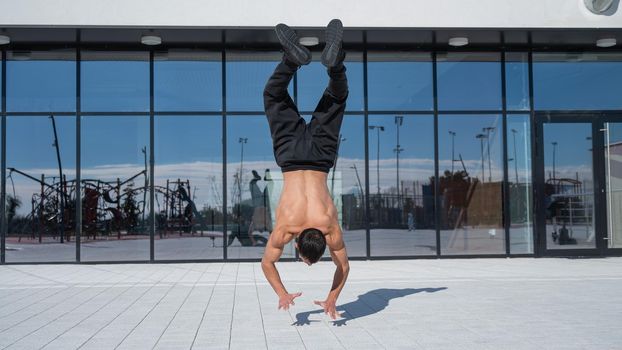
{"x": 329, "y": 307}
{"x": 287, "y": 299}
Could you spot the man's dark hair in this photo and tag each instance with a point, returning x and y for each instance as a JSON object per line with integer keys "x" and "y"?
{"x": 311, "y": 244}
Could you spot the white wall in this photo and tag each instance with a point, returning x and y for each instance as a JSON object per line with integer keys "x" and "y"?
{"x": 307, "y": 13}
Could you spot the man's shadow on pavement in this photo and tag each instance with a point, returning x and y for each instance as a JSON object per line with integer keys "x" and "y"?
{"x": 367, "y": 304}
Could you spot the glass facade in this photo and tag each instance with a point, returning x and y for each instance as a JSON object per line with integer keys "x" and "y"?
{"x": 169, "y": 155}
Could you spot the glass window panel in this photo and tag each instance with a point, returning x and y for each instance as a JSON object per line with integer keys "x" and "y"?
{"x": 251, "y": 205}
{"x": 400, "y": 81}
{"x": 36, "y": 197}
{"x": 313, "y": 79}
{"x": 471, "y": 183}
{"x": 115, "y": 81}
{"x": 188, "y": 187}
{"x": 402, "y": 223}
{"x": 574, "y": 81}
{"x": 188, "y": 81}
{"x": 346, "y": 182}
{"x": 247, "y": 74}
{"x": 41, "y": 81}
{"x": 115, "y": 209}
{"x": 517, "y": 81}
{"x": 613, "y": 182}
{"x": 469, "y": 81}
{"x": 521, "y": 187}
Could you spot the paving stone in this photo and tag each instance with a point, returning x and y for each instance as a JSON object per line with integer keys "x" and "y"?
{"x": 519, "y": 303}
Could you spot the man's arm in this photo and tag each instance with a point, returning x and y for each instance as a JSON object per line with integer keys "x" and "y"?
{"x": 270, "y": 256}
{"x": 340, "y": 258}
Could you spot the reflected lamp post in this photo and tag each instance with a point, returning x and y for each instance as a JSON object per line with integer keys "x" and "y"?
{"x": 488, "y": 130}
{"x": 56, "y": 145}
{"x": 453, "y": 158}
{"x": 399, "y": 120}
{"x": 241, "y": 141}
{"x": 554, "y": 143}
{"x": 481, "y": 138}
{"x": 514, "y": 132}
{"x": 378, "y": 129}
{"x": 358, "y": 179}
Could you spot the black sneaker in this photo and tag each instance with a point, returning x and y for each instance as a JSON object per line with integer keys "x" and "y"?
{"x": 333, "y": 54}
{"x": 293, "y": 50}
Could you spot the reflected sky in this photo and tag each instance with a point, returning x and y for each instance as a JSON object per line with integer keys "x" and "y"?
{"x": 573, "y": 150}
{"x": 41, "y": 85}
{"x": 400, "y": 85}
{"x": 187, "y": 86}
{"x": 469, "y": 85}
{"x": 115, "y": 85}
{"x": 313, "y": 79}
{"x": 517, "y": 81}
{"x": 471, "y": 142}
{"x": 577, "y": 85}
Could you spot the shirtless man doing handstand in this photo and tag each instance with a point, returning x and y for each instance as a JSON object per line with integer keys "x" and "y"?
{"x": 305, "y": 153}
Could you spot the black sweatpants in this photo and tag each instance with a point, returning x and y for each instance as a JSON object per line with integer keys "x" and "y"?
{"x": 298, "y": 145}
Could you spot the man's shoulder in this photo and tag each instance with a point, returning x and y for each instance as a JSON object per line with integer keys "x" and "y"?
{"x": 280, "y": 236}
{"x": 334, "y": 237}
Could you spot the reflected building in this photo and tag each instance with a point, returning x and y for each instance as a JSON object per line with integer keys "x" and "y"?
{"x": 114, "y": 150}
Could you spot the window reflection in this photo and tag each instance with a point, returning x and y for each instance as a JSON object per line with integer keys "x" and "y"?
{"x": 571, "y": 81}
{"x": 399, "y": 81}
{"x": 254, "y": 183}
{"x": 188, "y": 187}
{"x": 470, "y": 184}
{"x": 569, "y": 186}
{"x": 520, "y": 184}
{"x": 346, "y": 183}
{"x": 115, "y": 185}
{"x": 41, "y": 81}
{"x": 517, "y": 81}
{"x": 247, "y": 74}
{"x": 187, "y": 81}
{"x": 401, "y": 172}
{"x": 313, "y": 79}
{"x": 469, "y": 81}
{"x": 41, "y": 188}
{"x": 115, "y": 81}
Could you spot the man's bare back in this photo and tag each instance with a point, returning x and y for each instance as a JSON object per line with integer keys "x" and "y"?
{"x": 305, "y": 202}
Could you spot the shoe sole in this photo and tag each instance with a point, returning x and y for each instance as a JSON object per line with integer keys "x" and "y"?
{"x": 289, "y": 40}
{"x": 334, "y": 37}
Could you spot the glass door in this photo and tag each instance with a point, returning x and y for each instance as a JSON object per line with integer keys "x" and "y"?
{"x": 570, "y": 191}
{"x": 568, "y": 186}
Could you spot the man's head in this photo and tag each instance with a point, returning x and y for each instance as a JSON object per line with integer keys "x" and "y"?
{"x": 311, "y": 245}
